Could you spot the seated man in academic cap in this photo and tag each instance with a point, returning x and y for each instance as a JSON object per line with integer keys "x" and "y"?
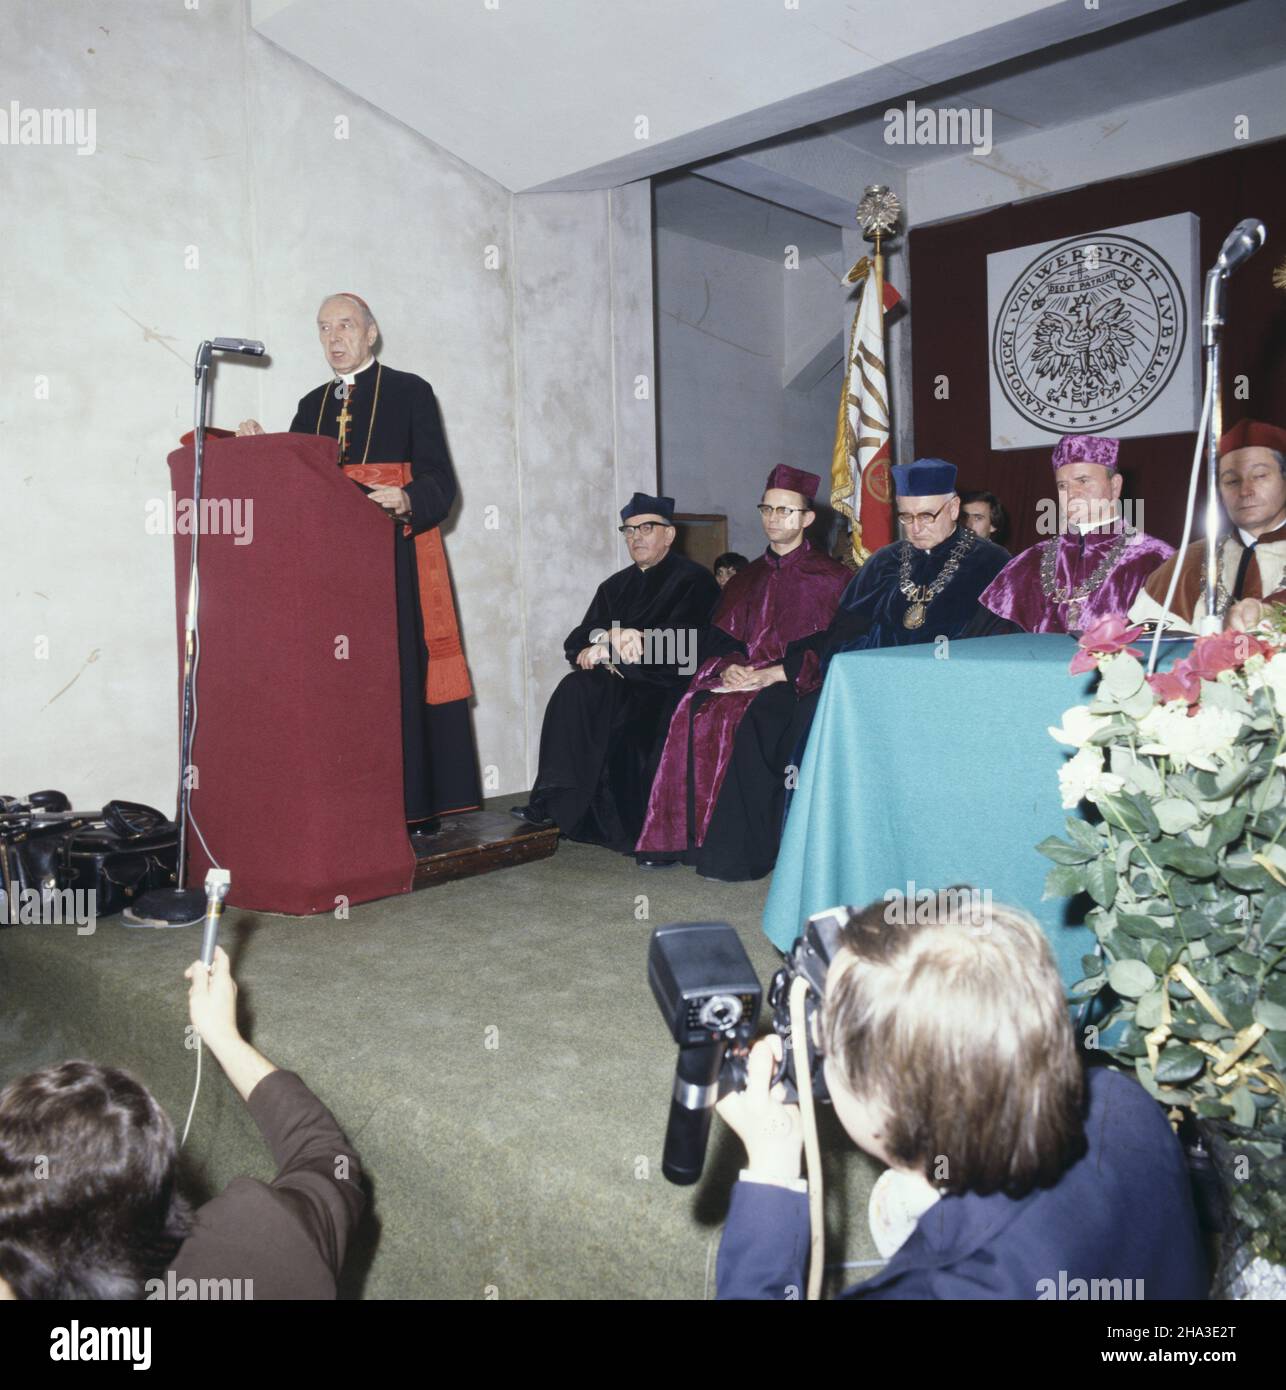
{"x": 1252, "y": 555}
{"x": 633, "y": 654}
{"x": 926, "y": 585}
{"x": 718, "y": 796}
{"x": 1096, "y": 566}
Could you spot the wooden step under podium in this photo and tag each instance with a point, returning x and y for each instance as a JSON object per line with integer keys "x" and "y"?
{"x": 477, "y": 842}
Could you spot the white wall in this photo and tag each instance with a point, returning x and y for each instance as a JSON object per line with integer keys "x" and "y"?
{"x": 209, "y": 138}
{"x": 725, "y": 417}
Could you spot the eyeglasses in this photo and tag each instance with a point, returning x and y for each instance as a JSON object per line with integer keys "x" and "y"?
{"x": 781, "y": 513}
{"x": 909, "y": 519}
{"x": 644, "y": 528}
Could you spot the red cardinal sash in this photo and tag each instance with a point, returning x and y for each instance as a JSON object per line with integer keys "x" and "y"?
{"x": 448, "y": 677}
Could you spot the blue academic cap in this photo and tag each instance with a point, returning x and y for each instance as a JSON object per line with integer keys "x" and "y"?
{"x": 924, "y": 478}
{"x": 643, "y": 505}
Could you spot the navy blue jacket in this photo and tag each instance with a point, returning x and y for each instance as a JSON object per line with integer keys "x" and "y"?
{"x": 1122, "y": 1212}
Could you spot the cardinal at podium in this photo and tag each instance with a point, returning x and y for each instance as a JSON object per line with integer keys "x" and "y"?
{"x": 391, "y": 442}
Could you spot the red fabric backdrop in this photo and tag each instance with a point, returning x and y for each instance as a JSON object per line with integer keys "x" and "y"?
{"x": 951, "y": 334}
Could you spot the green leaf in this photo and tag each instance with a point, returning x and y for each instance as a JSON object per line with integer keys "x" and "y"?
{"x": 1092, "y": 965}
{"x": 1159, "y": 958}
{"x": 1122, "y": 675}
{"x": 1242, "y": 963}
{"x": 1240, "y": 871}
{"x": 1132, "y": 924}
{"x": 1178, "y": 1063}
{"x": 1243, "y": 1106}
{"x": 1063, "y": 853}
{"x": 1226, "y": 828}
{"x": 1175, "y": 815}
{"x": 1187, "y": 858}
{"x": 1213, "y": 1110}
{"x": 1100, "y": 879}
{"x": 1065, "y": 881}
{"x": 1087, "y": 836}
{"x": 1130, "y": 978}
{"x": 1272, "y": 921}
{"x": 1271, "y": 1015}
{"x": 1194, "y": 923}
{"x": 1091, "y": 985}
{"x": 1147, "y": 1013}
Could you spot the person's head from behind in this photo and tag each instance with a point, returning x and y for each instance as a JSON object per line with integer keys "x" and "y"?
{"x": 726, "y": 565}
{"x": 949, "y": 1051}
{"x": 88, "y": 1202}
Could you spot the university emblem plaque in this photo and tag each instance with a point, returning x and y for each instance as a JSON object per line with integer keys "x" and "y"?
{"x": 1094, "y": 334}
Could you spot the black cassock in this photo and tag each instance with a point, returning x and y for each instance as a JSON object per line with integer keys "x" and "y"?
{"x": 439, "y": 760}
{"x": 602, "y": 734}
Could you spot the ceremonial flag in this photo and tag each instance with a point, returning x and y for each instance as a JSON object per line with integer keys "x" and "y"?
{"x": 861, "y": 487}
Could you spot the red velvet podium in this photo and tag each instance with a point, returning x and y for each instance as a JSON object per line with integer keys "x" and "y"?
{"x": 297, "y": 747}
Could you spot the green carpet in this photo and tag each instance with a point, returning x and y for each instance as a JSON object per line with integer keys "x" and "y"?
{"x": 491, "y": 1047}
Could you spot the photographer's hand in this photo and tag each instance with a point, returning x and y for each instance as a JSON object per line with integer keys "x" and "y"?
{"x": 768, "y": 1127}
{"x": 212, "y": 1007}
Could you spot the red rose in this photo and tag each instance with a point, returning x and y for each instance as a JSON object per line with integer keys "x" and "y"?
{"x": 1108, "y": 636}
{"x": 1178, "y": 683}
{"x": 1223, "y": 651}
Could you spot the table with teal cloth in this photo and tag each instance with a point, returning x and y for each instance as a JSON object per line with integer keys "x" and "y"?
{"x": 934, "y": 768}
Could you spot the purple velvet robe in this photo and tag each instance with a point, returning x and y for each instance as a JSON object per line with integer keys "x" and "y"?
{"x": 773, "y": 602}
{"x": 1016, "y": 591}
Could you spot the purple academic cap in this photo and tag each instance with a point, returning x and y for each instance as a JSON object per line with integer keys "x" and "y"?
{"x": 794, "y": 480}
{"x": 1086, "y": 448}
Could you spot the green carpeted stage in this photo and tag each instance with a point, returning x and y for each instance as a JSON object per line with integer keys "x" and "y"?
{"x": 492, "y": 1048}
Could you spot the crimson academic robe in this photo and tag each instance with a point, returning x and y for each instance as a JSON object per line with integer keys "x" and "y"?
{"x": 603, "y": 727}
{"x": 1017, "y": 592}
{"x": 718, "y": 796}
{"x": 439, "y": 761}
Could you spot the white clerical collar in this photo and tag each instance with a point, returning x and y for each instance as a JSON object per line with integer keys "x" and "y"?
{"x": 1085, "y": 528}
{"x": 349, "y": 377}
{"x": 1246, "y": 538}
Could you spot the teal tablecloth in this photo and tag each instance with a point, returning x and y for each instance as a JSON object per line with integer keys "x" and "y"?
{"x": 929, "y": 771}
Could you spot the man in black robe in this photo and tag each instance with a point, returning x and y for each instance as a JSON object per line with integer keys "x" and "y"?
{"x": 381, "y": 416}
{"x": 634, "y": 652}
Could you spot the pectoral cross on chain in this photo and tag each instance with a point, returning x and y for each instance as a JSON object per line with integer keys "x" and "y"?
{"x": 345, "y": 419}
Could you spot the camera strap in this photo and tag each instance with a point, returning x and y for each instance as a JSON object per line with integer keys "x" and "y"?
{"x": 812, "y": 1150}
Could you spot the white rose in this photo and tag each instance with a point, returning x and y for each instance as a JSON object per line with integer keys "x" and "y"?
{"x": 1083, "y": 778}
{"x": 1190, "y": 740}
{"x": 1078, "y": 726}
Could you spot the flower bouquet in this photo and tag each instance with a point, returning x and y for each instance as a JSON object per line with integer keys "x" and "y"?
{"x": 1185, "y": 862}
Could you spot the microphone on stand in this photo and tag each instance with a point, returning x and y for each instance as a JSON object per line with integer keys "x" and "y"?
{"x": 1240, "y": 244}
{"x": 249, "y": 348}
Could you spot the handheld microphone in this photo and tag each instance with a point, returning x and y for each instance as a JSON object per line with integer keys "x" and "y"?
{"x": 246, "y": 346}
{"x": 1240, "y": 244}
{"x": 217, "y": 883}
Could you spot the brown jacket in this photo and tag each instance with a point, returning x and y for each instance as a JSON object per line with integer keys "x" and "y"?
{"x": 289, "y": 1236}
